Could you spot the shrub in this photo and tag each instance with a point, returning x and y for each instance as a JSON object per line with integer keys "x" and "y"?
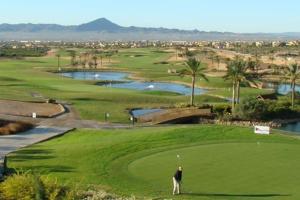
{"x": 28, "y": 186}
{"x": 10, "y": 127}
{"x": 220, "y": 110}
{"x": 253, "y": 109}
{"x": 182, "y": 105}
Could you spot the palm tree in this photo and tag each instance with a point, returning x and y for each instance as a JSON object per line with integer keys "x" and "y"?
{"x": 212, "y": 58}
{"x": 95, "y": 59}
{"x": 272, "y": 58}
{"x": 79, "y": 58}
{"x": 243, "y": 76}
{"x": 237, "y": 72}
{"x": 257, "y": 61}
{"x": 101, "y": 60}
{"x": 73, "y": 57}
{"x": 177, "y": 50}
{"x": 109, "y": 55}
{"x": 194, "y": 70}
{"x": 293, "y": 74}
{"x": 85, "y": 58}
{"x": 232, "y": 75}
{"x": 218, "y": 59}
{"x": 58, "y": 61}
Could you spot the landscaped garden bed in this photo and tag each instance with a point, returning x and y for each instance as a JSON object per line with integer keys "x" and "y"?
{"x": 13, "y": 127}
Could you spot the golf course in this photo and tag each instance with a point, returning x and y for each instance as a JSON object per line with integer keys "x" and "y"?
{"x": 219, "y": 162}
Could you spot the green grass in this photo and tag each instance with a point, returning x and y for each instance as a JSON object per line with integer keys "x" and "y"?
{"x": 19, "y": 79}
{"x": 220, "y": 162}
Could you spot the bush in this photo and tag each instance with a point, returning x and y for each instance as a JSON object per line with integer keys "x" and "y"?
{"x": 220, "y": 110}
{"x": 28, "y": 186}
{"x": 254, "y": 109}
{"x": 251, "y": 108}
{"x": 182, "y": 105}
{"x": 11, "y": 127}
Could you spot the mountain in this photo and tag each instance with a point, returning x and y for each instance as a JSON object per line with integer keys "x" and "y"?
{"x": 103, "y": 29}
{"x": 99, "y": 25}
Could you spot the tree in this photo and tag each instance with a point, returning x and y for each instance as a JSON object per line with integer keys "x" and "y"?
{"x": 85, "y": 58}
{"x": 95, "y": 59}
{"x": 101, "y": 60}
{"x": 73, "y": 57}
{"x": 58, "y": 61}
{"x": 251, "y": 64}
{"x": 194, "y": 70}
{"x": 188, "y": 54}
{"x": 257, "y": 61}
{"x": 90, "y": 64}
{"x": 109, "y": 55}
{"x": 80, "y": 58}
{"x": 272, "y": 58}
{"x": 218, "y": 59}
{"x": 177, "y": 51}
{"x": 237, "y": 72}
{"x": 292, "y": 72}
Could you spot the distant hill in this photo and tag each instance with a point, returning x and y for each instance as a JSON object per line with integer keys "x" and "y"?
{"x": 103, "y": 29}
{"x": 99, "y": 25}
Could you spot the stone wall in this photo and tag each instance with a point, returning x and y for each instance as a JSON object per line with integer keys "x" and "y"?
{"x": 272, "y": 124}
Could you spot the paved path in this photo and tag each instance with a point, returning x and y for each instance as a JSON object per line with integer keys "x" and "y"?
{"x": 10, "y": 143}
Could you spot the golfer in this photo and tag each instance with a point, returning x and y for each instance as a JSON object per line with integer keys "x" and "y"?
{"x": 177, "y": 181}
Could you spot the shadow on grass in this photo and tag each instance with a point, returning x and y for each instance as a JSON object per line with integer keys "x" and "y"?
{"x": 41, "y": 169}
{"x": 234, "y": 195}
{"x": 37, "y": 154}
{"x": 31, "y": 154}
{"x": 91, "y": 99}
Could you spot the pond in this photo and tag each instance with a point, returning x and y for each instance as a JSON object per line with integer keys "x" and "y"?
{"x": 282, "y": 88}
{"x": 141, "y": 112}
{"x": 158, "y": 86}
{"x": 135, "y": 85}
{"x": 292, "y": 127}
{"x": 105, "y": 76}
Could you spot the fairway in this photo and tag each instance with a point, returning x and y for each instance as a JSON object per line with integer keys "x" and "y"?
{"x": 220, "y": 162}
{"x": 225, "y": 170}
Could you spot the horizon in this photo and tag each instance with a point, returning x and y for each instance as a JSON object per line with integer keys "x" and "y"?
{"x": 230, "y": 16}
{"x": 104, "y": 18}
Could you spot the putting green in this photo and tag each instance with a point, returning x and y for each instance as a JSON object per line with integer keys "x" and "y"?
{"x": 226, "y": 171}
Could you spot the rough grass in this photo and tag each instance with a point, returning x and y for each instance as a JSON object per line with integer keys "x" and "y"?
{"x": 116, "y": 158}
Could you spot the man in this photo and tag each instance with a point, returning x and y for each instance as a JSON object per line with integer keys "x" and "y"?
{"x": 177, "y": 181}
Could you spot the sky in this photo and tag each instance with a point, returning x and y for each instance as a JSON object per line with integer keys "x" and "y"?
{"x": 243, "y": 16}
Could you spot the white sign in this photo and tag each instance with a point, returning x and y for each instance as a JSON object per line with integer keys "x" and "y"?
{"x": 34, "y": 115}
{"x": 265, "y": 130}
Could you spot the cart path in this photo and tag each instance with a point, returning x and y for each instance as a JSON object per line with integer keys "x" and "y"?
{"x": 10, "y": 143}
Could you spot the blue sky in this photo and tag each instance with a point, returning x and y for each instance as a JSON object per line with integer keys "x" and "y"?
{"x": 208, "y": 15}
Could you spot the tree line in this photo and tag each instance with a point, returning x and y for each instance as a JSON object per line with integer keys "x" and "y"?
{"x": 239, "y": 72}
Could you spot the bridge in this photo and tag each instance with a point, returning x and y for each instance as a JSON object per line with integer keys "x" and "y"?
{"x": 175, "y": 115}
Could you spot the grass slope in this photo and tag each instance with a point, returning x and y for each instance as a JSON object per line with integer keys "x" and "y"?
{"x": 20, "y": 79}
{"x": 220, "y": 162}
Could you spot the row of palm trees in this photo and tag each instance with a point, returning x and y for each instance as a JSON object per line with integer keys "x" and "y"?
{"x": 238, "y": 72}
{"x": 90, "y": 59}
